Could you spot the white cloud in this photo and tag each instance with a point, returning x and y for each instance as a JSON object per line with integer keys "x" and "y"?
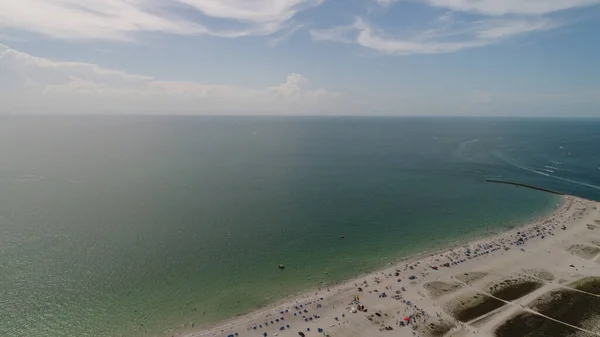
{"x": 497, "y": 29}
{"x": 291, "y": 87}
{"x": 444, "y": 37}
{"x": 286, "y": 35}
{"x": 30, "y": 84}
{"x": 495, "y": 21}
{"x": 120, "y": 19}
{"x": 38, "y": 85}
{"x": 46, "y": 71}
{"x": 259, "y": 11}
{"x": 385, "y": 3}
{"x": 342, "y": 34}
{"x": 502, "y": 7}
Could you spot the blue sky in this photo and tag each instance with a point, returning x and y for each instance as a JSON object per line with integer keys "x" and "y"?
{"x": 397, "y": 57}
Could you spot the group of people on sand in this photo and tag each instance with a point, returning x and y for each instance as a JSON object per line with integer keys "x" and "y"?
{"x": 277, "y": 320}
{"x": 476, "y": 250}
{"x": 410, "y": 272}
{"x": 498, "y": 243}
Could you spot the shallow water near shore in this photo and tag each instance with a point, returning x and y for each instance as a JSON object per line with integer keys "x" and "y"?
{"x": 133, "y": 226}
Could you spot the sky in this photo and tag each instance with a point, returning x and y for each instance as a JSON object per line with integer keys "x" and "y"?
{"x": 331, "y": 57}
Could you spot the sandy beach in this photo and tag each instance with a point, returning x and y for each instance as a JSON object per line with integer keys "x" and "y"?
{"x": 502, "y": 285}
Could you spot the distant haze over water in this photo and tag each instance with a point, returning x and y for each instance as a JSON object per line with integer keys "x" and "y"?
{"x": 132, "y": 226}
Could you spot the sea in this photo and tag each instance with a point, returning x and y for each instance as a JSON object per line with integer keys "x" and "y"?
{"x": 144, "y": 225}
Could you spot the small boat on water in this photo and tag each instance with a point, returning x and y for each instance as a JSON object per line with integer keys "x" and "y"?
{"x": 281, "y": 266}
{"x": 342, "y": 236}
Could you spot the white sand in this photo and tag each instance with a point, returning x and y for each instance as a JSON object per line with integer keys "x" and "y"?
{"x": 547, "y": 259}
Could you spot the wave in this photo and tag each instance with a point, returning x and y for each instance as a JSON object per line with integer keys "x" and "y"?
{"x": 460, "y": 151}
{"x": 577, "y": 182}
{"x": 463, "y": 145}
{"x": 551, "y": 167}
{"x": 528, "y": 169}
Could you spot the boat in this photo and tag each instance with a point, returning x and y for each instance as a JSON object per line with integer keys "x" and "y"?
{"x": 281, "y": 266}
{"x": 342, "y": 236}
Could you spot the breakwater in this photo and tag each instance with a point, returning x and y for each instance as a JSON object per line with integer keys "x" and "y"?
{"x": 523, "y": 185}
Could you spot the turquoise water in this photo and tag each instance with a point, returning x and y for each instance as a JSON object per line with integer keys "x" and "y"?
{"x": 131, "y": 226}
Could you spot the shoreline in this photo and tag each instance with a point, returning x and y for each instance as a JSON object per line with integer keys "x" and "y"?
{"x": 217, "y": 328}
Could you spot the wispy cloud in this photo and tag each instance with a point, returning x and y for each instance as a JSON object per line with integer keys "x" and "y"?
{"x": 286, "y": 35}
{"x": 503, "y": 7}
{"x": 385, "y": 3}
{"x": 84, "y": 87}
{"x": 488, "y": 22}
{"x": 343, "y": 34}
{"x": 121, "y": 19}
{"x": 444, "y": 36}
